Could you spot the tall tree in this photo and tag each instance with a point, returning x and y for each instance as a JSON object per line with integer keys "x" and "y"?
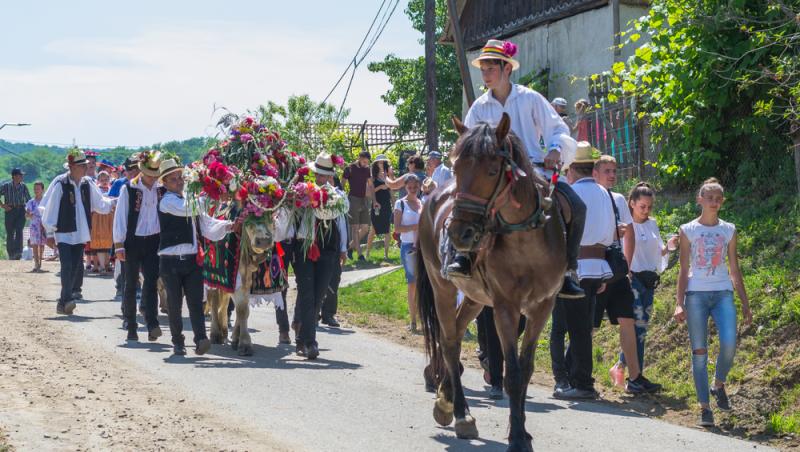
{"x": 306, "y": 125}
{"x": 407, "y": 77}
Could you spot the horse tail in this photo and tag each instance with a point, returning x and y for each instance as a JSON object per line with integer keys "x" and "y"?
{"x": 426, "y": 307}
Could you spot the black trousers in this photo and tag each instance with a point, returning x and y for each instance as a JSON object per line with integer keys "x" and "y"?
{"x": 141, "y": 255}
{"x": 312, "y": 279}
{"x": 489, "y": 342}
{"x": 183, "y": 277}
{"x": 15, "y": 224}
{"x": 574, "y": 317}
{"x": 71, "y": 259}
{"x": 330, "y": 301}
{"x": 282, "y": 315}
{"x": 575, "y": 226}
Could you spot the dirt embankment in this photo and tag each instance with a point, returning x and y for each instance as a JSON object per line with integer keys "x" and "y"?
{"x": 58, "y": 393}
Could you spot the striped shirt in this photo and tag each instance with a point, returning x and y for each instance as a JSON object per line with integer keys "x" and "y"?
{"x": 15, "y": 195}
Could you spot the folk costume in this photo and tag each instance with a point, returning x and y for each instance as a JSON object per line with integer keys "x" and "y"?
{"x": 314, "y": 269}
{"x": 182, "y": 274}
{"x": 534, "y": 121}
{"x": 67, "y": 218}
{"x": 137, "y": 232}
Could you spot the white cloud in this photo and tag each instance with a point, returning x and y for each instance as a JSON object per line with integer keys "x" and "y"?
{"x": 163, "y": 84}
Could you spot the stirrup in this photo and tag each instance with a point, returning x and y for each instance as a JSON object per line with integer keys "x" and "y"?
{"x": 571, "y": 290}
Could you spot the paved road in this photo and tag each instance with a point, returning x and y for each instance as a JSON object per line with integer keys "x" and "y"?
{"x": 365, "y": 393}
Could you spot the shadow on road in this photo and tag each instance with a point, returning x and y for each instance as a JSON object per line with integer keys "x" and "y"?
{"x": 452, "y": 443}
{"x": 223, "y": 356}
{"x": 76, "y": 318}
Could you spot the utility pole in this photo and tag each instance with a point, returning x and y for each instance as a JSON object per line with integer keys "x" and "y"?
{"x": 430, "y": 76}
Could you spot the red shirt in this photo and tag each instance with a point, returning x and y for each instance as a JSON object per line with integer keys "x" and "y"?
{"x": 357, "y": 177}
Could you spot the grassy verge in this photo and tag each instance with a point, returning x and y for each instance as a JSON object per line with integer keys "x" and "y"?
{"x": 765, "y": 381}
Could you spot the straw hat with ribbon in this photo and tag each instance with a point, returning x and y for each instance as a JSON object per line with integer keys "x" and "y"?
{"x": 496, "y": 49}
{"x": 149, "y": 163}
{"x": 323, "y": 165}
{"x": 168, "y": 166}
{"x": 585, "y": 154}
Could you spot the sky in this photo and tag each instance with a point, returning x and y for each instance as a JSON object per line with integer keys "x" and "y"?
{"x": 107, "y": 73}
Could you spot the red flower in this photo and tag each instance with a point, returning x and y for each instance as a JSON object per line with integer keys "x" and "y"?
{"x": 302, "y": 160}
{"x": 241, "y": 194}
{"x": 279, "y": 193}
{"x": 338, "y": 161}
{"x": 313, "y": 252}
{"x": 302, "y": 171}
{"x": 249, "y": 121}
{"x": 324, "y": 197}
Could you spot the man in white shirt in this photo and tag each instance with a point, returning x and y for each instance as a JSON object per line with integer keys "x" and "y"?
{"x": 313, "y": 272}
{"x": 67, "y": 222}
{"x": 136, "y": 238}
{"x": 617, "y": 300}
{"x": 178, "y": 253}
{"x": 439, "y": 173}
{"x": 534, "y": 121}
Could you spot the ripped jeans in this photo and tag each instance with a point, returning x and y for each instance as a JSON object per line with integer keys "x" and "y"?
{"x": 642, "y": 310}
{"x": 720, "y": 306}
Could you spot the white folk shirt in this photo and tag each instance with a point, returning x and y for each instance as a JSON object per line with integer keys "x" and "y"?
{"x": 147, "y": 223}
{"x": 599, "y": 228}
{"x": 286, "y": 229}
{"x": 49, "y": 207}
{"x": 441, "y": 175}
{"x": 211, "y": 228}
{"x": 532, "y": 119}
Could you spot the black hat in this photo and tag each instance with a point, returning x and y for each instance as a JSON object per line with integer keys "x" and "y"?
{"x": 131, "y": 163}
{"x": 17, "y": 172}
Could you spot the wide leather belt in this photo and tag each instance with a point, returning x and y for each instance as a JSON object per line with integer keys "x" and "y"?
{"x": 592, "y": 252}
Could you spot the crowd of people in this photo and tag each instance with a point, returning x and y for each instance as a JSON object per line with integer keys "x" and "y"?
{"x": 97, "y": 213}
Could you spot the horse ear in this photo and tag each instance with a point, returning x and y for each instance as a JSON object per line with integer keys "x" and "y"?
{"x": 460, "y": 127}
{"x": 502, "y": 129}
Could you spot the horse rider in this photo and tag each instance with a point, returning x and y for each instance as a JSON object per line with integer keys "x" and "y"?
{"x": 66, "y": 217}
{"x": 136, "y": 238}
{"x": 313, "y": 276}
{"x": 537, "y": 125}
{"x": 179, "y": 269}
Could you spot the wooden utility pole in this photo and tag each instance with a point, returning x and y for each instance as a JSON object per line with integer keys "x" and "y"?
{"x": 458, "y": 40}
{"x": 430, "y": 76}
{"x": 615, "y": 19}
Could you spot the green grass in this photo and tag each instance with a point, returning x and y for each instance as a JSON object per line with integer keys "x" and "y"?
{"x": 384, "y": 295}
{"x": 781, "y": 425}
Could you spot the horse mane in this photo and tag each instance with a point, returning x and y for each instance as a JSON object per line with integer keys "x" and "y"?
{"x": 480, "y": 142}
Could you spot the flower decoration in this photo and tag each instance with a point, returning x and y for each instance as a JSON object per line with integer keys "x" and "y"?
{"x": 73, "y": 154}
{"x": 337, "y": 160}
{"x": 510, "y": 49}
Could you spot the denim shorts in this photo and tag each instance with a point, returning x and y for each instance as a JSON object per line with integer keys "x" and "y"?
{"x": 408, "y": 258}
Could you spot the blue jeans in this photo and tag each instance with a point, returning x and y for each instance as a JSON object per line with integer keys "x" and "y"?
{"x": 719, "y": 305}
{"x": 407, "y": 258}
{"x": 642, "y": 310}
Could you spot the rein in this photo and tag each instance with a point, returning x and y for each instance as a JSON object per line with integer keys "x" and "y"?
{"x": 489, "y": 209}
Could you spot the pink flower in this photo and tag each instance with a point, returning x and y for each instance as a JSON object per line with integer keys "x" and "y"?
{"x": 509, "y": 48}
{"x": 337, "y": 160}
{"x": 249, "y": 121}
{"x": 246, "y": 137}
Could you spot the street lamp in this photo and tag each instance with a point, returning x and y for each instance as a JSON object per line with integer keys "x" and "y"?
{"x": 16, "y": 124}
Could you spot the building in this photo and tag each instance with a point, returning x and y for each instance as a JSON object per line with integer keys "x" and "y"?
{"x": 566, "y": 41}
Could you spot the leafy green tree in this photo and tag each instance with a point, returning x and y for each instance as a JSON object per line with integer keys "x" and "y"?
{"x": 718, "y": 83}
{"x": 407, "y": 77}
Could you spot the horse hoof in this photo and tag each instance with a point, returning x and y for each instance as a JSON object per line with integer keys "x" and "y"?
{"x": 216, "y": 338}
{"x": 235, "y": 345}
{"x": 522, "y": 446}
{"x": 246, "y": 350}
{"x": 466, "y": 428}
{"x": 442, "y": 417}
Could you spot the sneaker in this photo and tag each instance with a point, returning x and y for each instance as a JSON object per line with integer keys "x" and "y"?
{"x": 641, "y": 385}
{"x": 132, "y": 335}
{"x": 179, "y": 350}
{"x": 331, "y": 322}
{"x": 60, "y": 309}
{"x": 154, "y": 334}
{"x": 722, "y": 398}
{"x": 617, "y": 375}
{"x": 560, "y": 387}
{"x": 203, "y": 345}
{"x": 570, "y": 289}
{"x": 706, "y": 418}
{"x": 460, "y": 267}
{"x": 576, "y": 394}
{"x": 496, "y": 393}
{"x": 69, "y": 307}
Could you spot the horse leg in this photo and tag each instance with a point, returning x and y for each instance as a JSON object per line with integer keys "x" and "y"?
{"x": 534, "y": 325}
{"x": 242, "y": 302}
{"x": 212, "y": 301}
{"x": 465, "y": 424}
{"x": 506, "y": 321}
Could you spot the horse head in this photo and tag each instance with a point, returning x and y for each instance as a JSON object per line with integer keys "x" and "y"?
{"x": 258, "y": 236}
{"x": 486, "y": 161}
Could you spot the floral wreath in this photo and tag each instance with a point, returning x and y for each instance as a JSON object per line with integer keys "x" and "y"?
{"x": 74, "y": 153}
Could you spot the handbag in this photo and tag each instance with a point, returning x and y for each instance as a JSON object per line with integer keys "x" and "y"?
{"x": 614, "y": 255}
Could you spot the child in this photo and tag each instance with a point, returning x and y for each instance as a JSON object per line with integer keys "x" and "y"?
{"x": 37, "y": 237}
{"x": 647, "y": 262}
{"x": 705, "y": 288}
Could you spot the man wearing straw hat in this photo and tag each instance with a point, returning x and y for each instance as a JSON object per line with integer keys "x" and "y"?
{"x": 533, "y": 119}
{"x": 136, "y": 239}
{"x": 67, "y": 222}
{"x": 177, "y": 250}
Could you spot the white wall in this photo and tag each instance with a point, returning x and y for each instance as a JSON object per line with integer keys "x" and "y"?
{"x": 576, "y": 46}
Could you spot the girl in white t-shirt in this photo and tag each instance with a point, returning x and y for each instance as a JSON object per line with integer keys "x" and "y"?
{"x": 705, "y": 288}
{"x": 406, "y": 218}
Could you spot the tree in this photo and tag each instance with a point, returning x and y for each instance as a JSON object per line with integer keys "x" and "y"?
{"x": 719, "y": 84}
{"x": 307, "y": 126}
{"x": 407, "y": 77}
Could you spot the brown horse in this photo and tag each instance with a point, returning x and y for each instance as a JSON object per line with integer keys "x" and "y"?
{"x": 497, "y": 209}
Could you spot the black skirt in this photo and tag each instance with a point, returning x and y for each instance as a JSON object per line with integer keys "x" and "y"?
{"x": 382, "y": 218}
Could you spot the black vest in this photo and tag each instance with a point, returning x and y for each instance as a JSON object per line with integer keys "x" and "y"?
{"x": 175, "y": 230}
{"x": 328, "y": 236}
{"x": 66, "y": 210}
{"x": 135, "y": 197}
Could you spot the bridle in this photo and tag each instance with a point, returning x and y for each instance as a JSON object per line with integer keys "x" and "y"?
{"x": 488, "y": 209}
